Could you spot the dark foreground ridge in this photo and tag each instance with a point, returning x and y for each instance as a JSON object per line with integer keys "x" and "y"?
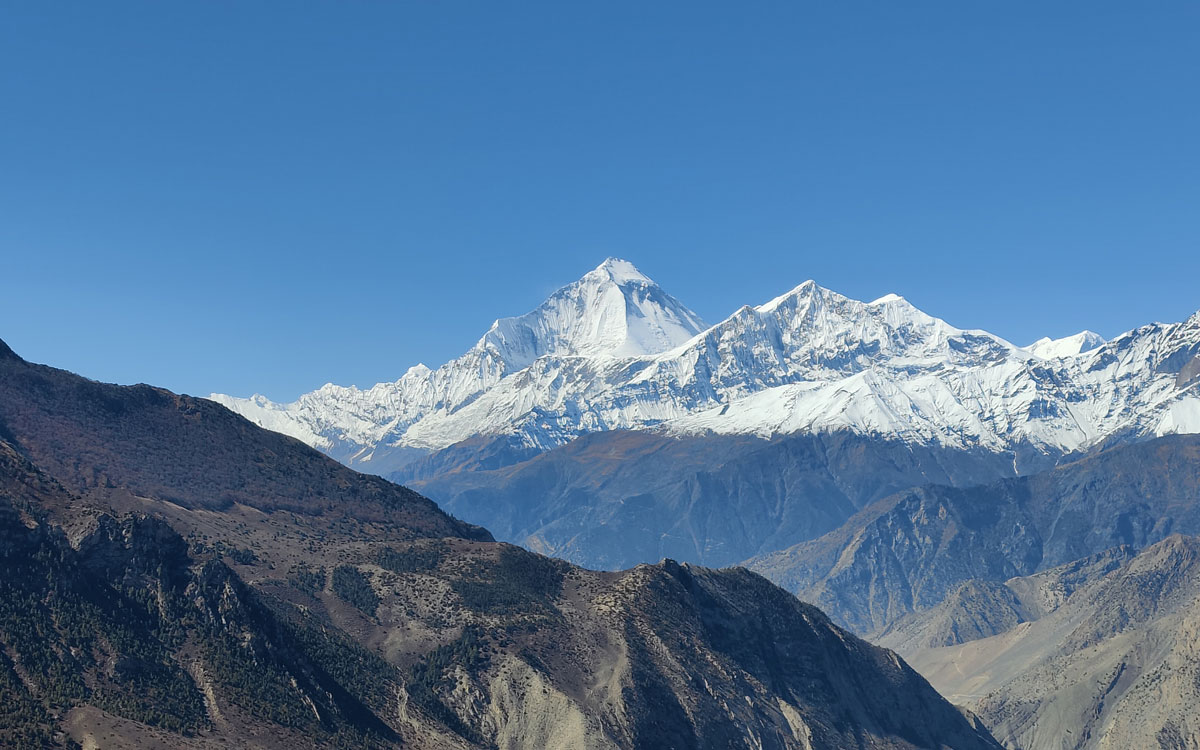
{"x": 173, "y": 576}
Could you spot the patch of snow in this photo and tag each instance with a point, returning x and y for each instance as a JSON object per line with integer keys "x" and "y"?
{"x": 1183, "y": 416}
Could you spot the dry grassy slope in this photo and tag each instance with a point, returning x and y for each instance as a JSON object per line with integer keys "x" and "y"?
{"x": 979, "y": 609}
{"x": 1113, "y": 662}
{"x": 380, "y": 619}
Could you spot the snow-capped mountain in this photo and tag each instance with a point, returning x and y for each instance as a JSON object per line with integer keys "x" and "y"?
{"x": 613, "y": 313}
{"x": 615, "y": 351}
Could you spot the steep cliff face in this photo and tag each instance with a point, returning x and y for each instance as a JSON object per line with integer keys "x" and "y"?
{"x": 174, "y": 576}
{"x": 114, "y": 628}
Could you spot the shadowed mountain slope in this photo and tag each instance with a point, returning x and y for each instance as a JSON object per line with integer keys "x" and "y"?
{"x": 188, "y": 451}
{"x": 614, "y": 499}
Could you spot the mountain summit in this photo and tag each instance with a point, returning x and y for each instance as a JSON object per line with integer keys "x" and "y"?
{"x": 614, "y": 310}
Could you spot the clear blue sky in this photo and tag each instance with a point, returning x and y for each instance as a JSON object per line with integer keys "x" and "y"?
{"x": 252, "y": 196}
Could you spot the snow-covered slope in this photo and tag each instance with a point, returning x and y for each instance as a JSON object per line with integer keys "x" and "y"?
{"x": 1129, "y": 388}
{"x": 614, "y": 351}
{"x": 1069, "y": 346}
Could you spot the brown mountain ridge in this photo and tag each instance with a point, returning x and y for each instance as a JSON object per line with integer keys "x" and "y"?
{"x": 173, "y": 576}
